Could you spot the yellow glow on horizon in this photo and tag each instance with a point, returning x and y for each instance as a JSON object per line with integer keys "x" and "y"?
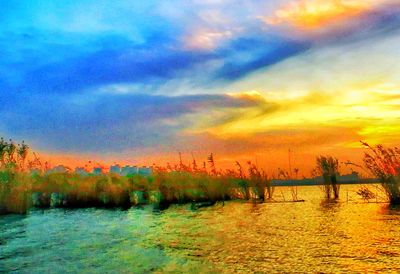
{"x": 362, "y": 109}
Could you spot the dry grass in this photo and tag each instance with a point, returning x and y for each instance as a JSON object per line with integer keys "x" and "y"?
{"x": 20, "y": 188}
{"x": 384, "y": 163}
{"x": 328, "y": 168}
{"x": 110, "y": 190}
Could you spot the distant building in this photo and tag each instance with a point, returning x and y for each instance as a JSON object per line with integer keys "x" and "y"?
{"x": 58, "y": 169}
{"x": 132, "y": 170}
{"x": 349, "y": 178}
{"x": 116, "y": 169}
{"x": 81, "y": 171}
{"x": 97, "y": 171}
{"x": 145, "y": 170}
{"x": 129, "y": 170}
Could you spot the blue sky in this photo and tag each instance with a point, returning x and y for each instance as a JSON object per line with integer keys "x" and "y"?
{"x": 115, "y": 76}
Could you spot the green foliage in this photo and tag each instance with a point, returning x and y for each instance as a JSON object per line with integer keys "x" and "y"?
{"x": 14, "y": 192}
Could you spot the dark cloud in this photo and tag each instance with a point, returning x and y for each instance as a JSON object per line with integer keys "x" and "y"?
{"x": 115, "y": 60}
{"x": 259, "y": 54}
{"x": 104, "y": 123}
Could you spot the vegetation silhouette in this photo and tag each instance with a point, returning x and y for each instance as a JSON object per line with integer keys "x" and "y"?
{"x": 384, "y": 163}
{"x": 328, "y": 168}
{"x": 26, "y": 181}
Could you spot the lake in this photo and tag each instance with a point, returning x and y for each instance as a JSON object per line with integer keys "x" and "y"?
{"x": 350, "y": 236}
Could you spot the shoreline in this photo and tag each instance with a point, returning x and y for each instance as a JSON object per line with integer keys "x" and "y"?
{"x": 316, "y": 182}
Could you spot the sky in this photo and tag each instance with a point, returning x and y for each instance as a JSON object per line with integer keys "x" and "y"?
{"x": 135, "y": 82}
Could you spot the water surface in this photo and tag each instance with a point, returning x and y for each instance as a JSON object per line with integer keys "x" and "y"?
{"x": 314, "y": 236}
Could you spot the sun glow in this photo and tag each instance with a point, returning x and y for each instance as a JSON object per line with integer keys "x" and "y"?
{"x": 311, "y": 14}
{"x": 363, "y": 110}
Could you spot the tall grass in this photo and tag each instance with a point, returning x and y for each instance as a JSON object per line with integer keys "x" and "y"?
{"x": 25, "y": 182}
{"x": 14, "y": 184}
{"x": 282, "y": 174}
{"x": 110, "y": 190}
{"x": 328, "y": 168}
{"x": 384, "y": 163}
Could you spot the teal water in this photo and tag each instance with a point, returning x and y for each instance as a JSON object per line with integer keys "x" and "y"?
{"x": 349, "y": 236}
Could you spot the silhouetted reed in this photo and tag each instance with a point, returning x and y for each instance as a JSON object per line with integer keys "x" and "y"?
{"x": 328, "y": 168}
{"x": 384, "y": 163}
{"x": 293, "y": 189}
{"x": 365, "y": 193}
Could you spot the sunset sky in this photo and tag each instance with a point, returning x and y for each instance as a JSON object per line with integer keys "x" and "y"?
{"x": 137, "y": 81}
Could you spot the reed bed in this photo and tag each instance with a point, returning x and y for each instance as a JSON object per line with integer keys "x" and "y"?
{"x": 26, "y": 183}
{"x": 24, "y": 190}
{"x": 328, "y": 168}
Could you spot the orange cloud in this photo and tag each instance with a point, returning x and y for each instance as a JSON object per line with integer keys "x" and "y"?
{"x": 313, "y": 14}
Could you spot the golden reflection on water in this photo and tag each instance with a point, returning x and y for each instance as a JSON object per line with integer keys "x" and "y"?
{"x": 312, "y": 236}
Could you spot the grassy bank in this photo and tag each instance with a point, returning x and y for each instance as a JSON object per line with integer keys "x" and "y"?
{"x": 20, "y": 191}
